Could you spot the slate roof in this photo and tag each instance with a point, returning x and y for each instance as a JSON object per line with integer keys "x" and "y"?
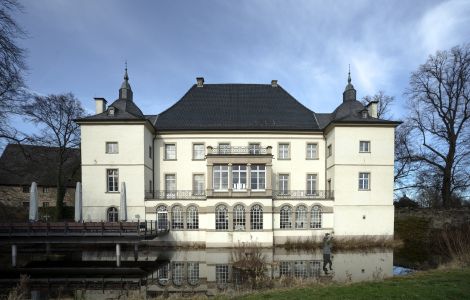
{"x": 123, "y": 110}
{"x": 23, "y": 164}
{"x": 237, "y": 107}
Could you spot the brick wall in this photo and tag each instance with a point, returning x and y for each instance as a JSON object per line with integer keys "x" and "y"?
{"x": 14, "y": 196}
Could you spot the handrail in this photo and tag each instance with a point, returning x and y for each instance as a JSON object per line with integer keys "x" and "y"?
{"x": 231, "y": 150}
{"x": 176, "y": 194}
{"x": 303, "y": 194}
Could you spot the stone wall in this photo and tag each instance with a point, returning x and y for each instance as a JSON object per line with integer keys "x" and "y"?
{"x": 14, "y": 196}
{"x": 437, "y": 217}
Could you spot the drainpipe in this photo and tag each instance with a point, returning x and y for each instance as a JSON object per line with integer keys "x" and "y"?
{"x": 153, "y": 166}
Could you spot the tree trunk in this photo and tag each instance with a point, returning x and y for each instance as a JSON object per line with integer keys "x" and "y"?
{"x": 446, "y": 191}
{"x": 59, "y": 212}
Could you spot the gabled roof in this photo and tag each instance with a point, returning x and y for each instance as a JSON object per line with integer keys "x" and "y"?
{"x": 123, "y": 110}
{"x": 237, "y": 107}
{"x": 23, "y": 164}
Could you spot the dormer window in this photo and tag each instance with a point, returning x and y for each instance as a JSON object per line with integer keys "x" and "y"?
{"x": 364, "y": 114}
{"x": 111, "y": 111}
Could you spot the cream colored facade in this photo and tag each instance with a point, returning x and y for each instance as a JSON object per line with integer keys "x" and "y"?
{"x": 343, "y": 188}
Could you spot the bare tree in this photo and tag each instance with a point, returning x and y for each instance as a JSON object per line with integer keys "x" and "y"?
{"x": 384, "y": 104}
{"x": 439, "y": 95}
{"x": 54, "y": 115}
{"x": 12, "y": 66}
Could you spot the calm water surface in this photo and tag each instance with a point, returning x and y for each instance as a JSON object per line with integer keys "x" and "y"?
{"x": 92, "y": 273}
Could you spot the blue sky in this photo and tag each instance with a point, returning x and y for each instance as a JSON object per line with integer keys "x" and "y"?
{"x": 81, "y": 46}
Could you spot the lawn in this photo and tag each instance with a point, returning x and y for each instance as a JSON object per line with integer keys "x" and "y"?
{"x": 437, "y": 284}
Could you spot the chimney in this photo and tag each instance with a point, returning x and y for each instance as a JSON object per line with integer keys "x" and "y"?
{"x": 200, "y": 81}
{"x": 274, "y": 83}
{"x": 100, "y": 104}
{"x": 372, "y": 108}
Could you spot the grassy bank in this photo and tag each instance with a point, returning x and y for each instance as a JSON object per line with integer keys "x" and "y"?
{"x": 436, "y": 284}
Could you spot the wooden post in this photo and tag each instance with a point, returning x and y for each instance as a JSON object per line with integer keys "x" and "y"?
{"x": 118, "y": 255}
{"x": 13, "y": 256}
{"x": 136, "y": 252}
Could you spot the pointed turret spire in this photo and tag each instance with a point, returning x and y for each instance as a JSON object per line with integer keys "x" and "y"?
{"x": 349, "y": 73}
{"x": 125, "y": 92}
{"x": 349, "y": 92}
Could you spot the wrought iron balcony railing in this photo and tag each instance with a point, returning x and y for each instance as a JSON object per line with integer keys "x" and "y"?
{"x": 244, "y": 150}
{"x": 302, "y": 194}
{"x": 177, "y": 194}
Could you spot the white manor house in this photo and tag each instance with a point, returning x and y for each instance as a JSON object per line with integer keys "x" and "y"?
{"x": 233, "y": 163}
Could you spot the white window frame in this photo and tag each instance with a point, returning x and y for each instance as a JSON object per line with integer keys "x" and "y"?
{"x": 256, "y": 217}
{"x": 198, "y": 154}
{"x": 364, "y": 146}
{"x": 364, "y": 181}
{"x": 221, "y": 218}
{"x": 198, "y": 187}
{"x": 177, "y": 218}
{"x": 283, "y": 184}
{"x": 312, "y": 150}
{"x": 112, "y": 214}
{"x": 224, "y": 148}
{"x": 112, "y": 147}
{"x": 193, "y": 273}
{"x": 112, "y": 180}
{"x": 285, "y": 217}
{"x": 301, "y": 217}
{"x": 239, "y": 218}
{"x": 312, "y": 182}
{"x": 239, "y": 177}
{"x": 283, "y": 151}
{"x": 169, "y": 153}
{"x": 219, "y": 182}
{"x": 255, "y": 173}
{"x": 329, "y": 150}
{"x": 316, "y": 217}
{"x": 170, "y": 186}
{"x": 192, "y": 218}
{"x": 254, "y": 148}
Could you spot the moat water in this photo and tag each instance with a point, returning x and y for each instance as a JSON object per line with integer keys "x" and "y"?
{"x": 91, "y": 273}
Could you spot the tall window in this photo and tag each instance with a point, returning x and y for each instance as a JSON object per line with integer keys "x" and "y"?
{"x": 284, "y": 151}
{"x": 170, "y": 186}
{"x": 364, "y": 181}
{"x": 239, "y": 217}
{"x": 256, "y": 217}
{"x": 192, "y": 218}
{"x": 312, "y": 151}
{"x": 177, "y": 269}
{"x": 170, "y": 151}
{"x": 364, "y": 146}
{"x": 254, "y": 148}
{"x": 112, "y": 147}
{"x": 224, "y": 148}
{"x": 221, "y": 275}
{"x": 221, "y": 218}
{"x": 198, "y": 151}
{"x": 286, "y": 217}
{"x": 112, "y": 214}
{"x": 315, "y": 221}
{"x": 283, "y": 184}
{"x": 193, "y": 273}
{"x": 311, "y": 184}
{"x": 163, "y": 274}
{"x": 150, "y": 151}
{"x": 301, "y": 217}
{"x": 198, "y": 184}
{"x": 239, "y": 177}
{"x": 330, "y": 150}
{"x": 113, "y": 180}
{"x": 258, "y": 177}
{"x": 220, "y": 177}
{"x": 162, "y": 218}
{"x": 177, "y": 218}
{"x": 150, "y": 186}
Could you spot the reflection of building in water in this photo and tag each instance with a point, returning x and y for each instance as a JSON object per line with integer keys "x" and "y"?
{"x": 209, "y": 271}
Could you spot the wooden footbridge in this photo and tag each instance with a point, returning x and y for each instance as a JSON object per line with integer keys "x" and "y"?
{"x": 79, "y": 233}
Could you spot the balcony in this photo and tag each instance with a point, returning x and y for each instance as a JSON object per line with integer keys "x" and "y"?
{"x": 239, "y": 150}
{"x": 175, "y": 195}
{"x": 303, "y": 194}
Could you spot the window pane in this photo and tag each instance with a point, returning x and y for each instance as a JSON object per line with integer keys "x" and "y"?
{"x": 170, "y": 151}
{"x": 301, "y": 217}
{"x": 316, "y": 217}
{"x": 239, "y": 217}
{"x": 311, "y": 184}
{"x": 198, "y": 151}
{"x": 311, "y": 151}
{"x": 239, "y": 177}
{"x": 254, "y": 148}
{"x": 220, "y": 174}
{"x": 256, "y": 217}
{"x": 177, "y": 218}
{"x": 170, "y": 186}
{"x": 286, "y": 217}
{"x": 192, "y": 218}
{"x": 221, "y": 218}
{"x": 283, "y": 151}
{"x": 198, "y": 184}
{"x": 111, "y": 147}
{"x": 112, "y": 180}
{"x": 283, "y": 184}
